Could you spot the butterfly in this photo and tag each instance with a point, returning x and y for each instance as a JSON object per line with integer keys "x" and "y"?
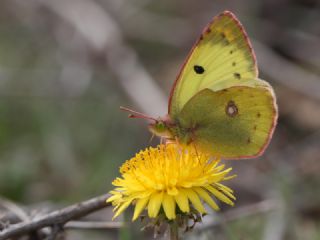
{"x": 217, "y": 102}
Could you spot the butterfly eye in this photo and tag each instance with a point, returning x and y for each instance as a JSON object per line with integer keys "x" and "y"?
{"x": 198, "y": 69}
{"x": 160, "y": 126}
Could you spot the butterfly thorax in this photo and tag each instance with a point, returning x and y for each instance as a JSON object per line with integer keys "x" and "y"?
{"x": 170, "y": 129}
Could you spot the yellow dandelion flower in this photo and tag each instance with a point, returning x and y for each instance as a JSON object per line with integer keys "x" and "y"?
{"x": 171, "y": 180}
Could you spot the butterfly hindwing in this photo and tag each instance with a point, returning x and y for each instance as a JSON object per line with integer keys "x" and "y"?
{"x": 235, "y": 122}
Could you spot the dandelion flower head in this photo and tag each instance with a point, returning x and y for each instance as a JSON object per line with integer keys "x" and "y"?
{"x": 170, "y": 180}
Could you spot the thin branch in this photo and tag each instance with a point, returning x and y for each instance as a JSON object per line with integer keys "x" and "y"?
{"x": 56, "y": 229}
{"x": 93, "y": 225}
{"x": 59, "y": 217}
{"x": 14, "y": 208}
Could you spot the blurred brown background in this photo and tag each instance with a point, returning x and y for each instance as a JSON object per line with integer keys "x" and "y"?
{"x": 67, "y": 65}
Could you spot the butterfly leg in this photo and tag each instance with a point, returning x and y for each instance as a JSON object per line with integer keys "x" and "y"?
{"x": 166, "y": 141}
{"x": 193, "y": 137}
{"x": 176, "y": 140}
{"x": 152, "y": 136}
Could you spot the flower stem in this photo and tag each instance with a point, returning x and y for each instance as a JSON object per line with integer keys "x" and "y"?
{"x": 174, "y": 231}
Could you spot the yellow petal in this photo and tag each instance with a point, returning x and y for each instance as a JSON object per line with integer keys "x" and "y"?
{"x": 172, "y": 191}
{"x": 230, "y": 177}
{"x": 226, "y": 190}
{"x": 207, "y": 198}
{"x": 220, "y": 195}
{"x": 114, "y": 197}
{"x": 154, "y": 204}
{"x": 140, "y": 205}
{"x": 194, "y": 198}
{"x": 219, "y": 168}
{"x": 169, "y": 206}
{"x": 217, "y": 177}
{"x": 182, "y": 201}
{"x": 122, "y": 208}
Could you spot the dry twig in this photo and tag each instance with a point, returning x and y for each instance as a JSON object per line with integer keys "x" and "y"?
{"x": 14, "y": 208}
{"x": 56, "y": 218}
{"x": 93, "y": 225}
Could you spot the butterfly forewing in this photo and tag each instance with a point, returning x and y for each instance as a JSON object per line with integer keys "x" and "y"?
{"x": 221, "y": 57}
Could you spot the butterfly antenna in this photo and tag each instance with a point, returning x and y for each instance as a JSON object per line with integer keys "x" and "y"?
{"x": 135, "y": 114}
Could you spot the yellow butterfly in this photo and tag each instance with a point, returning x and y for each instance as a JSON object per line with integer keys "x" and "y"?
{"x": 217, "y": 102}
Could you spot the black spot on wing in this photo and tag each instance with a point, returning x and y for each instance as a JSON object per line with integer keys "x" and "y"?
{"x": 198, "y": 69}
{"x": 237, "y": 75}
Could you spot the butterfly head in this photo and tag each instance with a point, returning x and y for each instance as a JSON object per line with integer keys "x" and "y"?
{"x": 161, "y": 127}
